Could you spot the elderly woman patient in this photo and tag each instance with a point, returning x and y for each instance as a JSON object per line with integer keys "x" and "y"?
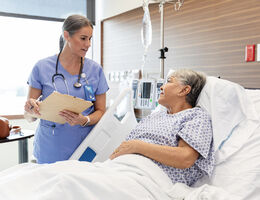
{"x": 178, "y": 140}
{"x": 173, "y": 145}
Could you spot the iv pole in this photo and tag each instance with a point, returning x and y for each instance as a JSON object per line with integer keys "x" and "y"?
{"x": 162, "y": 49}
{"x": 177, "y": 5}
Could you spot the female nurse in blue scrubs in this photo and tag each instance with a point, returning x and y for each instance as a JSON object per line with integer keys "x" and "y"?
{"x": 71, "y": 73}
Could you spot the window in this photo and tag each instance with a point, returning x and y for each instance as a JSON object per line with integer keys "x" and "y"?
{"x": 22, "y": 43}
{"x": 46, "y": 8}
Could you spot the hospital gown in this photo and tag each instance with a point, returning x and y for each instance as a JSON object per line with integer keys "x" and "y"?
{"x": 193, "y": 126}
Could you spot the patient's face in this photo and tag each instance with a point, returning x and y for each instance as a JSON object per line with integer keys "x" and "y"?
{"x": 170, "y": 91}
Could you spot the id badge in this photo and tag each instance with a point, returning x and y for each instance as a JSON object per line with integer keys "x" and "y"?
{"x": 89, "y": 93}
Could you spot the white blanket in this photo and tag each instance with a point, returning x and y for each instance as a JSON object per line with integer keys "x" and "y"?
{"x": 126, "y": 177}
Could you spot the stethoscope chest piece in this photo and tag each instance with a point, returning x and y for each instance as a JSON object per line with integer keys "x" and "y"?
{"x": 77, "y": 84}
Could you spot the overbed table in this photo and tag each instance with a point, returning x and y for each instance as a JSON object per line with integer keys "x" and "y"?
{"x": 22, "y": 139}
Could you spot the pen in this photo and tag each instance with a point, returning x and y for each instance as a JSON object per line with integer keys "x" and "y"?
{"x": 38, "y": 99}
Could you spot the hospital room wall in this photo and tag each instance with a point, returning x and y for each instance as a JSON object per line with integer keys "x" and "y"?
{"x": 205, "y": 35}
{"x": 106, "y": 9}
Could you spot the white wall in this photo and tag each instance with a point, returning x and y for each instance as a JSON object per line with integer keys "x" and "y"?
{"x": 106, "y": 9}
{"x": 109, "y": 8}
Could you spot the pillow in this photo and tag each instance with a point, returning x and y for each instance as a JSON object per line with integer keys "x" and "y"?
{"x": 233, "y": 115}
{"x": 254, "y": 95}
{"x": 240, "y": 174}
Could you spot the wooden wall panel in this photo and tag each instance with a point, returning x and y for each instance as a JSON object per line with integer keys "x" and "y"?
{"x": 205, "y": 35}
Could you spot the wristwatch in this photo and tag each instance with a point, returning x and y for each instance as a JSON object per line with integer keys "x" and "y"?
{"x": 87, "y": 122}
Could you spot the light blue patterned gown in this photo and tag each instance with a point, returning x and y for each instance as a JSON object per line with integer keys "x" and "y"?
{"x": 193, "y": 126}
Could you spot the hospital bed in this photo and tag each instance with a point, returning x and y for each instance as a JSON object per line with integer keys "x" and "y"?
{"x": 236, "y": 132}
{"x": 235, "y": 113}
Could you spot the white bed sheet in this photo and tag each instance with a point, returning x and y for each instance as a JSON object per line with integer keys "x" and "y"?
{"x": 128, "y": 177}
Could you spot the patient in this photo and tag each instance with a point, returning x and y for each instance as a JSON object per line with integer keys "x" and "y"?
{"x": 178, "y": 140}
{"x": 174, "y": 145}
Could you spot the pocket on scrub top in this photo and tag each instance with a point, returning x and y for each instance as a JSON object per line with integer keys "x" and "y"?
{"x": 47, "y": 127}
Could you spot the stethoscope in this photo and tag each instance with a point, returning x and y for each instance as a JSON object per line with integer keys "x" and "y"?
{"x": 56, "y": 75}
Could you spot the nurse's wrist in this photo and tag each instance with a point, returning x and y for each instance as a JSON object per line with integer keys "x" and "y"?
{"x": 86, "y": 123}
{"x": 28, "y": 117}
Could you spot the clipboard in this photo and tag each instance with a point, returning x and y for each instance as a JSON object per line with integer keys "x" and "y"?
{"x": 56, "y": 102}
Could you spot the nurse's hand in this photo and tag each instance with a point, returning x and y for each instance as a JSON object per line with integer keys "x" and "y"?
{"x": 32, "y": 106}
{"x": 72, "y": 118}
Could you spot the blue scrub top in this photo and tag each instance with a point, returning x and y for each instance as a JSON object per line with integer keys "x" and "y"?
{"x": 55, "y": 142}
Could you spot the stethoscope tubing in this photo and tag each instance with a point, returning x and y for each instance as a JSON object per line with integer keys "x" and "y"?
{"x": 56, "y": 75}
{"x": 65, "y": 81}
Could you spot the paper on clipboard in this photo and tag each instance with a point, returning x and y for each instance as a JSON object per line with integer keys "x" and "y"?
{"x": 56, "y": 102}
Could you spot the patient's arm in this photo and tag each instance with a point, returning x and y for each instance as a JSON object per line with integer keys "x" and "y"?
{"x": 183, "y": 156}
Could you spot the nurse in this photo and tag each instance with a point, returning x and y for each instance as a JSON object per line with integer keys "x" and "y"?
{"x": 68, "y": 72}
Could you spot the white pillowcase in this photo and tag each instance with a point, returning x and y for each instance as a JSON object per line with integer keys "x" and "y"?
{"x": 254, "y": 95}
{"x": 238, "y": 160}
{"x": 240, "y": 174}
{"x": 233, "y": 115}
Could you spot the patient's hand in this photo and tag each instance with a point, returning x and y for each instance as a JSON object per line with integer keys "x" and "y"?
{"x": 127, "y": 147}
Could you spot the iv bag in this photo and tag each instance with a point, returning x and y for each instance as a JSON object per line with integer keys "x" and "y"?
{"x": 146, "y": 31}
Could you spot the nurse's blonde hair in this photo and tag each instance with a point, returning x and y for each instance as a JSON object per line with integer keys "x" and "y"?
{"x": 72, "y": 24}
{"x": 75, "y": 22}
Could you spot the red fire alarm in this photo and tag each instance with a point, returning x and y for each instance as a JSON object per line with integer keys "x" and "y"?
{"x": 250, "y": 53}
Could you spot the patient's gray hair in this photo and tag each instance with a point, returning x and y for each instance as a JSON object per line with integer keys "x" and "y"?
{"x": 194, "y": 79}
